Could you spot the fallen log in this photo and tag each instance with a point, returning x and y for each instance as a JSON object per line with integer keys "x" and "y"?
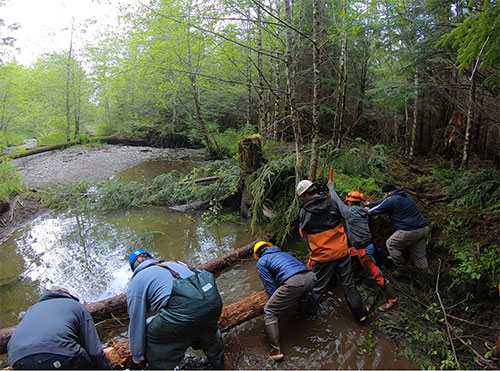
{"x": 232, "y": 315}
{"x": 117, "y": 305}
{"x": 107, "y": 139}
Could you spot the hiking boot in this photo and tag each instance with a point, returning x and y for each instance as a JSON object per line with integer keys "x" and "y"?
{"x": 273, "y": 333}
{"x": 388, "y": 305}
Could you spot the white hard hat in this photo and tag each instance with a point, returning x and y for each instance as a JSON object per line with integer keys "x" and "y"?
{"x": 303, "y": 186}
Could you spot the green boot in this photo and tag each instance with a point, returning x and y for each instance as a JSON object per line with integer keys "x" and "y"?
{"x": 273, "y": 333}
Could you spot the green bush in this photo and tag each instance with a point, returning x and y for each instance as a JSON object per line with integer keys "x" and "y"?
{"x": 166, "y": 189}
{"x": 357, "y": 159}
{"x": 10, "y": 181}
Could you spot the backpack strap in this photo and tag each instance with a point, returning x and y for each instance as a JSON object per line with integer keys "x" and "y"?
{"x": 174, "y": 273}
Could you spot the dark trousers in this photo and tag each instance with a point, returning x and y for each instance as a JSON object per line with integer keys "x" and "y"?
{"x": 293, "y": 289}
{"x": 49, "y": 361}
{"x": 166, "y": 342}
{"x": 324, "y": 273}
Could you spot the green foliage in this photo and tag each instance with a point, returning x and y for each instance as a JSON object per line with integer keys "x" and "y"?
{"x": 274, "y": 184}
{"x": 478, "y": 36}
{"x": 476, "y": 267}
{"x": 166, "y": 189}
{"x": 10, "y": 181}
{"x": 469, "y": 187}
{"x": 52, "y": 139}
{"x": 358, "y": 159}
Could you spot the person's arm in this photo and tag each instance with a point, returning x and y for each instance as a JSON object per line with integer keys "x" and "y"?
{"x": 381, "y": 208}
{"x": 136, "y": 307}
{"x": 344, "y": 209}
{"x": 304, "y": 218}
{"x": 91, "y": 343}
{"x": 267, "y": 279}
{"x": 375, "y": 203}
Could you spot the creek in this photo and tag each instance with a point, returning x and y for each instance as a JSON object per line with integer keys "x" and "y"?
{"x": 88, "y": 254}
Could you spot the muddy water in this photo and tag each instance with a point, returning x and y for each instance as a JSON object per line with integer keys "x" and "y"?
{"x": 88, "y": 253}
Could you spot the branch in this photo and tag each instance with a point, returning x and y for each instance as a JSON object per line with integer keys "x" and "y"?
{"x": 445, "y": 318}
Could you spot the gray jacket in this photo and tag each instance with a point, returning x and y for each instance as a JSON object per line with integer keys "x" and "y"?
{"x": 356, "y": 218}
{"x": 57, "y": 324}
{"x": 149, "y": 290}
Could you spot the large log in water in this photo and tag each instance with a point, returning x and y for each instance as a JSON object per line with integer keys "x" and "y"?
{"x": 231, "y": 316}
{"x": 117, "y": 305}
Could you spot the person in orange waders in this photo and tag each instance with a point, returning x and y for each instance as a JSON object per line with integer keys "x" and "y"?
{"x": 320, "y": 224}
{"x": 360, "y": 238}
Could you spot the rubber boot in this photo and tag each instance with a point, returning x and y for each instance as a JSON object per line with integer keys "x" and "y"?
{"x": 273, "y": 333}
{"x": 390, "y": 295}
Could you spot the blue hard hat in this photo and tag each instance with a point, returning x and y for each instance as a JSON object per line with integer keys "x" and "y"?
{"x": 134, "y": 256}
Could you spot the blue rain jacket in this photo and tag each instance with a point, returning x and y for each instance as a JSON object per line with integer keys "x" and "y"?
{"x": 402, "y": 210}
{"x": 275, "y": 267}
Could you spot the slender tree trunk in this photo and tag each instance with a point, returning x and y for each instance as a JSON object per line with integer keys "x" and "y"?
{"x": 249, "y": 80}
{"x": 407, "y": 124}
{"x": 472, "y": 98}
{"x": 316, "y": 89}
{"x": 197, "y": 104}
{"x": 396, "y": 127}
{"x": 262, "y": 104}
{"x": 290, "y": 75}
{"x": 277, "y": 78}
{"x": 68, "y": 86}
{"x": 78, "y": 100}
{"x": 415, "y": 120}
{"x": 342, "y": 82}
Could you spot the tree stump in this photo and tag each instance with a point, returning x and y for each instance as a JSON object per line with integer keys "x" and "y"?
{"x": 250, "y": 158}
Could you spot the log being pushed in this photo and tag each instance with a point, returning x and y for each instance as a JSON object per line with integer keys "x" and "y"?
{"x": 117, "y": 305}
{"x": 232, "y": 315}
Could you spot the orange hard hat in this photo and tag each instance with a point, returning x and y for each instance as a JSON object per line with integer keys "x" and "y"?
{"x": 355, "y": 196}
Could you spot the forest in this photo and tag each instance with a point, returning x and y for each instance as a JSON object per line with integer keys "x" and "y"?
{"x": 402, "y": 91}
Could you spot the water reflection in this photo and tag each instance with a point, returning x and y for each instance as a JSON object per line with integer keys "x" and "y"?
{"x": 147, "y": 171}
{"x": 88, "y": 253}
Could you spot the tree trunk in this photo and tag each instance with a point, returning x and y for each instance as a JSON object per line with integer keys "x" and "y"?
{"x": 290, "y": 77}
{"x": 316, "y": 89}
{"x": 262, "y": 106}
{"x": 342, "y": 83}
{"x": 415, "y": 115}
{"x": 396, "y": 127}
{"x": 78, "y": 100}
{"x": 117, "y": 305}
{"x": 68, "y": 85}
{"x": 197, "y": 104}
{"x": 250, "y": 158}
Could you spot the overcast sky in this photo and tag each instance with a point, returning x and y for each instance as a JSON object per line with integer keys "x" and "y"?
{"x": 43, "y": 23}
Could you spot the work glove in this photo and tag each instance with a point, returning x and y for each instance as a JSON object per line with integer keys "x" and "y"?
{"x": 331, "y": 185}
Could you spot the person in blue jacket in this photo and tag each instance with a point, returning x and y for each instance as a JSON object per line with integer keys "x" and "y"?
{"x": 410, "y": 234}
{"x": 285, "y": 280}
{"x": 57, "y": 332}
{"x": 187, "y": 315}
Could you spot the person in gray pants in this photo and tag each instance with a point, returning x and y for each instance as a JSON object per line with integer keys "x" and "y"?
{"x": 286, "y": 280}
{"x": 410, "y": 234}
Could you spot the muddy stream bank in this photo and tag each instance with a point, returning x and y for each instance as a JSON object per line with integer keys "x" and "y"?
{"x": 87, "y": 252}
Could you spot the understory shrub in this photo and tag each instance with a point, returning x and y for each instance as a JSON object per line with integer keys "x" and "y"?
{"x": 166, "y": 189}
{"x": 10, "y": 181}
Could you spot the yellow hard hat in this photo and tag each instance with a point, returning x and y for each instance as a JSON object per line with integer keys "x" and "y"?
{"x": 258, "y": 245}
